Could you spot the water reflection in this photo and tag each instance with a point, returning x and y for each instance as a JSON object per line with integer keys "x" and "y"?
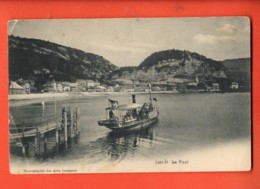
{"x": 121, "y": 145}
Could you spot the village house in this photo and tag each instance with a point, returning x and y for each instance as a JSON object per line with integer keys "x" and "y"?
{"x": 141, "y": 73}
{"x": 100, "y": 89}
{"x": 182, "y": 79}
{"x": 124, "y": 81}
{"x": 208, "y": 88}
{"x": 117, "y": 88}
{"x": 125, "y": 74}
{"x": 82, "y": 84}
{"x": 74, "y": 87}
{"x": 14, "y": 88}
{"x": 170, "y": 80}
{"x": 220, "y": 78}
{"x": 59, "y": 87}
{"x": 27, "y": 87}
{"x": 90, "y": 84}
{"x": 27, "y": 84}
{"x": 193, "y": 84}
{"x": 65, "y": 86}
{"x": 139, "y": 89}
{"x": 96, "y": 84}
{"x": 215, "y": 87}
{"x": 33, "y": 88}
{"x": 136, "y": 82}
{"x": 234, "y": 85}
{"x": 156, "y": 88}
{"x": 50, "y": 86}
{"x": 151, "y": 71}
{"x": 127, "y": 88}
{"x": 110, "y": 89}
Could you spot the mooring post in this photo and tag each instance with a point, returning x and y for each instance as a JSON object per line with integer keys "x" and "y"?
{"x": 37, "y": 143}
{"x": 71, "y": 126}
{"x": 77, "y": 120}
{"x": 57, "y": 140}
{"x": 66, "y": 130}
{"x": 23, "y": 142}
{"x": 23, "y": 131}
{"x": 45, "y": 144}
{"x": 23, "y": 150}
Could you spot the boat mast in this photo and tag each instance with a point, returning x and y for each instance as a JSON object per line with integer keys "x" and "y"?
{"x": 150, "y": 91}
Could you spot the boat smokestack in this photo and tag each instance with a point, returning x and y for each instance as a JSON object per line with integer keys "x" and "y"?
{"x": 133, "y": 98}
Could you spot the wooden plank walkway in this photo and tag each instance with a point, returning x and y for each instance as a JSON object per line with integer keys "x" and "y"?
{"x": 32, "y": 132}
{"x": 45, "y": 132}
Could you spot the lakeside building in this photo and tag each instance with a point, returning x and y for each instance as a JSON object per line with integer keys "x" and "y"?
{"x": 117, "y": 88}
{"x": 82, "y": 84}
{"x": 124, "y": 81}
{"x": 208, "y": 88}
{"x": 150, "y": 73}
{"x": 139, "y": 89}
{"x": 110, "y": 89}
{"x": 136, "y": 82}
{"x": 101, "y": 89}
{"x": 27, "y": 84}
{"x": 90, "y": 84}
{"x": 234, "y": 85}
{"x": 127, "y": 88}
{"x": 74, "y": 87}
{"x": 59, "y": 87}
{"x": 215, "y": 87}
{"x": 156, "y": 88}
{"x": 27, "y": 87}
{"x": 220, "y": 78}
{"x": 183, "y": 79}
{"x": 96, "y": 84}
{"x": 65, "y": 86}
{"x": 14, "y": 88}
{"x": 50, "y": 86}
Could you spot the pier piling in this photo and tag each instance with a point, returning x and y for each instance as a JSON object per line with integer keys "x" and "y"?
{"x": 65, "y": 127}
{"x": 57, "y": 139}
{"x": 44, "y": 136}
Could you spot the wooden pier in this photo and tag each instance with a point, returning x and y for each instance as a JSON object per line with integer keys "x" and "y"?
{"x": 45, "y": 135}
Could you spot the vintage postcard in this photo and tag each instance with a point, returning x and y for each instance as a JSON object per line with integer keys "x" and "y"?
{"x": 129, "y": 95}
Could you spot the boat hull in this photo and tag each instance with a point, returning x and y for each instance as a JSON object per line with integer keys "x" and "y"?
{"x": 134, "y": 126}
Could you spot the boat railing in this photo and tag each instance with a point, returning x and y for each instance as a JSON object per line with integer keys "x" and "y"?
{"x": 106, "y": 118}
{"x": 34, "y": 121}
{"x": 131, "y": 122}
{"x": 103, "y": 118}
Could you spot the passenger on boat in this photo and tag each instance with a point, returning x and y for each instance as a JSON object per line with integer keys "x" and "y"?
{"x": 111, "y": 114}
{"x": 150, "y": 107}
{"x": 144, "y": 113}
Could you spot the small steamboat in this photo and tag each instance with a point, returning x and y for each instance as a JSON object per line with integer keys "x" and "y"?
{"x": 132, "y": 116}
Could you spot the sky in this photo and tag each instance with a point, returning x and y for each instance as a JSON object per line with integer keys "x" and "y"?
{"x": 127, "y": 42}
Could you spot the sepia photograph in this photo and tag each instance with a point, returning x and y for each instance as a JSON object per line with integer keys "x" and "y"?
{"x": 120, "y": 95}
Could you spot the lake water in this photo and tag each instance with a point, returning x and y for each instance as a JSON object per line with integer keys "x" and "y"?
{"x": 188, "y": 124}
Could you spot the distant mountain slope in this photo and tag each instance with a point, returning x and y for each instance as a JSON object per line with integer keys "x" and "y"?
{"x": 163, "y": 65}
{"x": 178, "y": 58}
{"x": 34, "y": 58}
{"x": 239, "y": 70}
{"x": 239, "y": 63}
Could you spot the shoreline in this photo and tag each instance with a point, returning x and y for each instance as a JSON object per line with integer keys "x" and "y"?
{"x": 36, "y": 97}
{"x": 21, "y": 99}
{"x": 25, "y": 99}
